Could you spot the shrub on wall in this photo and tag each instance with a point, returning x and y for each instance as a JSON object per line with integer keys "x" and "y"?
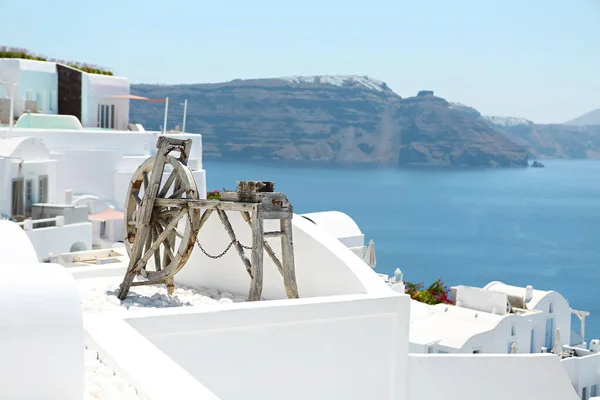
{"x": 436, "y": 293}
{"x": 14, "y": 52}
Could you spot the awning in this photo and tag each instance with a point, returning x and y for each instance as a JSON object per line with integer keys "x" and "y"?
{"x": 107, "y": 215}
{"x": 134, "y": 97}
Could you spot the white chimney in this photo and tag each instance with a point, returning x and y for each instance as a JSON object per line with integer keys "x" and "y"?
{"x": 69, "y": 196}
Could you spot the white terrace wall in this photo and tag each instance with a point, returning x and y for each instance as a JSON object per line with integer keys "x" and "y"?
{"x": 583, "y": 371}
{"x": 498, "y": 339}
{"x": 324, "y": 266}
{"x": 490, "y": 377}
{"x": 102, "y": 162}
{"x": 340, "y": 347}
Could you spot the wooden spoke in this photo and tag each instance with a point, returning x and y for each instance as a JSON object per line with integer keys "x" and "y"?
{"x": 165, "y": 189}
{"x": 145, "y": 177}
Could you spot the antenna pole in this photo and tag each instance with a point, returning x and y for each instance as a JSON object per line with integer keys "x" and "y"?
{"x": 184, "y": 115}
{"x": 166, "y": 111}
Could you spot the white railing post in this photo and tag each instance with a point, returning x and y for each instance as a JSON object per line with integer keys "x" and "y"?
{"x": 60, "y": 220}
{"x": 28, "y": 225}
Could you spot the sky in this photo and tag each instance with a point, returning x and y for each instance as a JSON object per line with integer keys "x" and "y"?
{"x": 533, "y": 59}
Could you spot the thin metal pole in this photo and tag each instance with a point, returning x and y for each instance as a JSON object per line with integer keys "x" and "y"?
{"x": 184, "y": 115}
{"x": 12, "y": 106}
{"x": 166, "y": 111}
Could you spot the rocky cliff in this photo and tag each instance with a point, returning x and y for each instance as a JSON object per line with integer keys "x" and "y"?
{"x": 550, "y": 140}
{"x": 349, "y": 119}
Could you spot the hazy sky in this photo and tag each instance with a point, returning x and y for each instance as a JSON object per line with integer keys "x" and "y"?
{"x": 538, "y": 59}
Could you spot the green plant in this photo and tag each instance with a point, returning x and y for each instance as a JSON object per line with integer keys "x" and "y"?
{"x": 436, "y": 293}
{"x": 14, "y": 52}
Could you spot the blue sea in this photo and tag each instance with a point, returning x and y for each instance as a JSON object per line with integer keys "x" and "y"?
{"x": 525, "y": 226}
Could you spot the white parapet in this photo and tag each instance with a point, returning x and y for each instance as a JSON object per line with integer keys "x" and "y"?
{"x": 41, "y": 334}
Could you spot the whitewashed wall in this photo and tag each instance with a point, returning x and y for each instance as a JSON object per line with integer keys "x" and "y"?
{"x": 102, "y": 162}
{"x": 583, "y": 371}
{"x": 347, "y": 347}
{"x": 481, "y": 376}
{"x": 52, "y": 241}
{"x": 324, "y": 266}
{"x": 35, "y": 79}
{"x": 41, "y": 340}
{"x": 97, "y": 89}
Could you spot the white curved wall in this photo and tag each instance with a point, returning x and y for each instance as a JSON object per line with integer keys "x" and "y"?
{"x": 41, "y": 339}
{"x": 324, "y": 266}
{"x": 340, "y": 225}
{"x": 15, "y": 246}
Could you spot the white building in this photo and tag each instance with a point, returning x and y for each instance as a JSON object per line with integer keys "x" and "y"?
{"x": 505, "y": 319}
{"x": 82, "y": 119}
{"x": 50, "y": 88}
{"x": 28, "y": 176}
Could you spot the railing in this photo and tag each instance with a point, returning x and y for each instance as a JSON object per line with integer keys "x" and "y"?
{"x": 29, "y": 224}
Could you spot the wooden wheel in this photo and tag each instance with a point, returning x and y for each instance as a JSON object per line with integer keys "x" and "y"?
{"x": 171, "y": 231}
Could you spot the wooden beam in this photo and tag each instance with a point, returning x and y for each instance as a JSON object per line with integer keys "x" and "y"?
{"x": 205, "y": 204}
{"x": 266, "y": 246}
{"x": 256, "y": 285}
{"x": 287, "y": 256}
{"x": 274, "y": 234}
{"x": 236, "y": 244}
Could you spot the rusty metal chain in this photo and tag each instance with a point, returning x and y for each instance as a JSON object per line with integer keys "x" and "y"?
{"x": 224, "y": 251}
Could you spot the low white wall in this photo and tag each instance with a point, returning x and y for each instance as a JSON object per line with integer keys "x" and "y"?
{"x": 342, "y": 347}
{"x": 41, "y": 334}
{"x": 583, "y": 371}
{"x": 52, "y": 241}
{"x": 324, "y": 266}
{"x": 483, "y": 376}
{"x": 154, "y": 375}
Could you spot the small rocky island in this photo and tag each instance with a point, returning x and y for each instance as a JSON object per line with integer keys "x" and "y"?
{"x": 537, "y": 164}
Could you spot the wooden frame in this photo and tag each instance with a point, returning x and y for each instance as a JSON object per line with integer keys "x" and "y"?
{"x": 152, "y": 222}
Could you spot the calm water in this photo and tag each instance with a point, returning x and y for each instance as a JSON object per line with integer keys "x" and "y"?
{"x": 520, "y": 226}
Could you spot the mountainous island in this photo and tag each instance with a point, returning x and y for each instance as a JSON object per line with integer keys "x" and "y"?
{"x": 353, "y": 119}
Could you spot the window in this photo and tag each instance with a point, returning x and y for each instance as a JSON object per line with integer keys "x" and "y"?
{"x": 510, "y": 345}
{"x": 594, "y": 391}
{"x": 106, "y": 116}
{"x": 584, "y": 393}
{"x": 429, "y": 349}
{"x": 549, "y": 333}
{"x": 112, "y": 116}
{"x": 442, "y": 351}
{"x": 43, "y": 189}
{"x": 103, "y": 230}
{"x": 532, "y": 342}
{"x": 28, "y": 196}
{"x": 53, "y": 101}
{"x": 513, "y": 330}
{"x": 550, "y": 308}
{"x": 17, "y": 197}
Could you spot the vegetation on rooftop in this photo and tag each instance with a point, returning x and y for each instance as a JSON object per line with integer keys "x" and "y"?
{"x": 14, "y": 52}
{"x": 436, "y": 293}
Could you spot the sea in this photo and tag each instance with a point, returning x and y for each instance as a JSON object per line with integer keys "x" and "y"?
{"x": 466, "y": 226}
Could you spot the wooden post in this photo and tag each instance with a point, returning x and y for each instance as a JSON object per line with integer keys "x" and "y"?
{"x": 143, "y": 230}
{"x": 236, "y": 244}
{"x": 256, "y": 285}
{"x": 266, "y": 246}
{"x": 287, "y": 256}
